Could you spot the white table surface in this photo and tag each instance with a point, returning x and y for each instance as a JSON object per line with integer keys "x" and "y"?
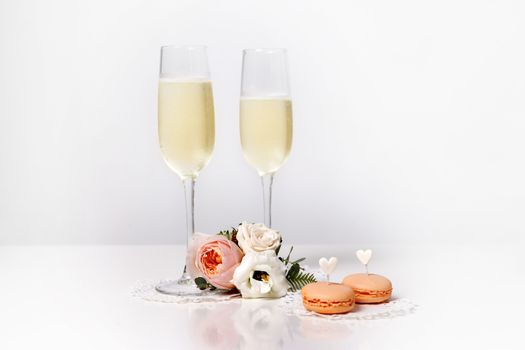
{"x": 78, "y": 297}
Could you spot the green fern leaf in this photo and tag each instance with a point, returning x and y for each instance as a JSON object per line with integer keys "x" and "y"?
{"x": 299, "y": 279}
{"x": 293, "y": 271}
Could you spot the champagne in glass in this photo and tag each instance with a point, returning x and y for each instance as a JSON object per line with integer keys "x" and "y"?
{"x": 186, "y": 125}
{"x": 266, "y": 132}
{"x": 266, "y": 116}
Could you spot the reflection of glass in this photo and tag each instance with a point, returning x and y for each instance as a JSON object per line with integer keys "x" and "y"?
{"x": 186, "y": 126}
{"x": 265, "y": 116}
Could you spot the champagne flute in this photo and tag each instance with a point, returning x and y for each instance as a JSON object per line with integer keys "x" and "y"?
{"x": 265, "y": 116}
{"x": 186, "y": 127}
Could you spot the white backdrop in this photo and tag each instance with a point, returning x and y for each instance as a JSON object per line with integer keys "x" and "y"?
{"x": 408, "y": 116}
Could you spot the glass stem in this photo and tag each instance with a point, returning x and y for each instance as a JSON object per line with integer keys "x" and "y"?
{"x": 189, "y": 193}
{"x": 267, "y": 181}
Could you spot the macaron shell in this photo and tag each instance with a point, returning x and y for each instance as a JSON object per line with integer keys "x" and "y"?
{"x": 369, "y": 288}
{"x": 368, "y": 299}
{"x": 328, "y": 298}
{"x": 328, "y": 310}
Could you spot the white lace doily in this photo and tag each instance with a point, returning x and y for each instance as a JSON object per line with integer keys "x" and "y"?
{"x": 291, "y": 304}
{"x": 361, "y": 312}
{"x": 146, "y": 290}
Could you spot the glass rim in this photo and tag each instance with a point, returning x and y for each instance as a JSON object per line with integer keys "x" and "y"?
{"x": 266, "y": 50}
{"x": 184, "y": 47}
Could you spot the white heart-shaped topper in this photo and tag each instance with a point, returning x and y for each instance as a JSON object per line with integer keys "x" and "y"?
{"x": 328, "y": 266}
{"x": 364, "y": 255}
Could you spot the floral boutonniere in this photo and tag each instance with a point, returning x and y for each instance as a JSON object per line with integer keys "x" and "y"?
{"x": 245, "y": 258}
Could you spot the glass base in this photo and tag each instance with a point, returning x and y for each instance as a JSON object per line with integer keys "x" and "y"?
{"x": 186, "y": 289}
{"x": 184, "y": 286}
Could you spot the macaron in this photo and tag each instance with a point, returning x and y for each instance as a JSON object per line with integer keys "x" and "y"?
{"x": 328, "y": 298}
{"x": 369, "y": 288}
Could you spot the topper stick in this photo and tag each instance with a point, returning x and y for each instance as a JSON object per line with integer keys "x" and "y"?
{"x": 364, "y": 257}
{"x": 328, "y": 266}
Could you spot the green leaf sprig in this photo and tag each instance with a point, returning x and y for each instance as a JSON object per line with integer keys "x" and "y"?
{"x": 202, "y": 284}
{"x": 230, "y": 235}
{"x": 295, "y": 274}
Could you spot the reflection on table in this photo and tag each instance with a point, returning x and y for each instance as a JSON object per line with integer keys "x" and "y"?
{"x": 256, "y": 324}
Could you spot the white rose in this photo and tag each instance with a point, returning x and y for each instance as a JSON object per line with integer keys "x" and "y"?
{"x": 257, "y": 238}
{"x": 261, "y": 275}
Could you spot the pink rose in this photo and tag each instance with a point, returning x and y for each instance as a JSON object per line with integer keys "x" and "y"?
{"x": 213, "y": 257}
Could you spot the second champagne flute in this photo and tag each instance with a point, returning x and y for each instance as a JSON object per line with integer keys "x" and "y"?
{"x": 266, "y": 116}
